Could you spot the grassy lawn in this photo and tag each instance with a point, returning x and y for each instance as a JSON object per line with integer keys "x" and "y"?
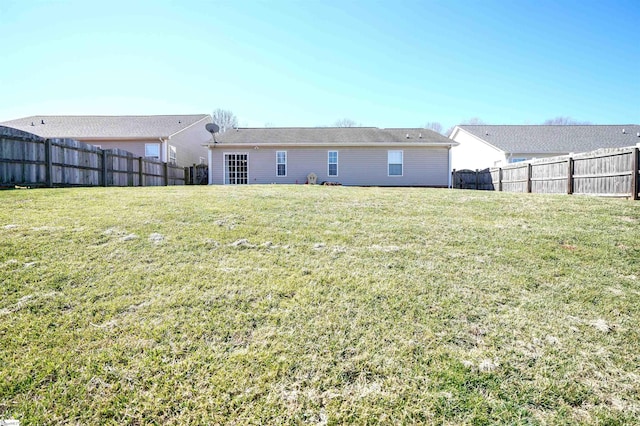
{"x": 319, "y": 305}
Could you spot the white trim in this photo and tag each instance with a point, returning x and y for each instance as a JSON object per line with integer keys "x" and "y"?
{"x": 210, "y": 166}
{"x": 401, "y": 163}
{"x": 164, "y": 151}
{"x": 286, "y": 167}
{"x": 450, "y": 184}
{"x": 337, "y": 163}
{"x": 224, "y": 154}
{"x": 190, "y": 125}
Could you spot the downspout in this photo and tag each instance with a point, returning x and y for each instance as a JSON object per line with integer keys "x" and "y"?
{"x": 210, "y": 168}
{"x": 164, "y": 157}
{"x": 450, "y": 184}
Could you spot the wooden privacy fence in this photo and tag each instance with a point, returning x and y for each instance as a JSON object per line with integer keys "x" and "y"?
{"x": 30, "y": 160}
{"x": 472, "y": 179}
{"x": 606, "y": 172}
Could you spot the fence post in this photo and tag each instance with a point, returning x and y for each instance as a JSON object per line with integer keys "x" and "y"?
{"x": 635, "y": 168}
{"x": 48, "y": 158}
{"x": 129, "y": 169}
{"x": 529, "y": 169}
{"x": 186, "y": 176}
{"x": 570, "y": 169}
{"x": 500, "y": 179}
{"x": 104, "y": 168}
{"x": 166, "y": 174}
{"x": 140, "y": 171}
{"x": 453, "y": 179}
{"x": 477, "y": 180}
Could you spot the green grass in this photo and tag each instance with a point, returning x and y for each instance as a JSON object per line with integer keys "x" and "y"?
{"x": 320, "y": 305}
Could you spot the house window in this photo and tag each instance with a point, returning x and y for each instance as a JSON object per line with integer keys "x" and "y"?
{"x": 394, "y": 161}
{"x": 333, "y": 163}
{"x": 172, "y": 154}
{"x": 152, "y": 150}
{"x": 281, "y": 163}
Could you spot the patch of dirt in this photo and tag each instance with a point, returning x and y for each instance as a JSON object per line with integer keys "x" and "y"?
{"x": 156, "y": 238}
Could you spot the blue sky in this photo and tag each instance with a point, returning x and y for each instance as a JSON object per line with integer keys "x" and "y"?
{"x": 310, "y": 63}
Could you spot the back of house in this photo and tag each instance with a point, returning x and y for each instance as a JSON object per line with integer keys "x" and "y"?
{"x": 365, "y": 156}
{"x": 175, "y": 139}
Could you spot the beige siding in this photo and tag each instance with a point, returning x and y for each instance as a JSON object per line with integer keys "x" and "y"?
{"x": 190, "y": 143}
{"x": 422, "y": 166}
{"x": 134, "y": 147}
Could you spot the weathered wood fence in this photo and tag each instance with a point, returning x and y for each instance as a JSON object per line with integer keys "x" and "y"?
{"x": 472, "y": 179}
{"x": 606, "y": 172}
{"x": 30, "y": 160}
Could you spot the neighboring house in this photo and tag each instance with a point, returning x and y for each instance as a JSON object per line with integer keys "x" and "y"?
{"x": 482, "y": 146}
{"x": 365, "y": 156}
{"x": 176, "y": 139}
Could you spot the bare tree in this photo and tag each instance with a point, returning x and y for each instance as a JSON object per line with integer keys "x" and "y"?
{"x": 473, "y": 121}
{"x": 563, "y": 121}
{"x": 225, "y": 119}
{"x": 434, "y": 125}
{"x": 345, "y": 122}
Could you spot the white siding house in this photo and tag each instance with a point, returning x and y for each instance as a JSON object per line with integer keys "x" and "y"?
{"x": 483, "y": 146}
{"x": 348, "y": 156}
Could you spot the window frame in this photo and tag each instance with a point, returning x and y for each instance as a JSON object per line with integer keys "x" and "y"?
{"x": 278, "y": 163}
{"x": 389, "y": 163}
{"x": 173, "y": 154}
{"x": 329, "y": 163}
{"x": 152, "y": 145}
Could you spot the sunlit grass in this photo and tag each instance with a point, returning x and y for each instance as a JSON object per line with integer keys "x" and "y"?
{"x": 328, "y": 305}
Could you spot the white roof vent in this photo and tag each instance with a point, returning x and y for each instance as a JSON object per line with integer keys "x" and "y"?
{"x": 420, "y": 135}
{"x": 624, "y": 132}
{"x": 407, "y": 135}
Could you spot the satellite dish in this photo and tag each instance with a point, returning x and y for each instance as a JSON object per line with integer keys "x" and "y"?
{"x": 212, "y": 128}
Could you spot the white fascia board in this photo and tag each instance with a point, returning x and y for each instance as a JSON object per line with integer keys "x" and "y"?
{"x": 190, "y": 125}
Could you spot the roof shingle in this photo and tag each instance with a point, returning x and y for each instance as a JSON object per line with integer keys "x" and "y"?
{"x": 330, "y": 135}
{"x": 555, "y": 138}
{"x": 103, "y": 127}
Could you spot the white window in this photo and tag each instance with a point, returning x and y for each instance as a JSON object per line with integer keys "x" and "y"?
{"x": 152, "y": 150}
{"x": 333, "y": 163}
{"x": 172, "y": 154}
{"x": 281, "y": 163}
{"x": 394, "y": 161}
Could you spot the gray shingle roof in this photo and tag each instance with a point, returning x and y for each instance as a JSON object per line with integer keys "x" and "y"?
{"x": 330, "y": 135}
{"x": 100, "y": 126}
{"x": 556, "y": 139}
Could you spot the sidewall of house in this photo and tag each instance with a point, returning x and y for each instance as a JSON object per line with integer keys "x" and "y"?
{"x": 362, "y": 166}
{"x": 473, "y": 153}
{"x": 190, "y": 142}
